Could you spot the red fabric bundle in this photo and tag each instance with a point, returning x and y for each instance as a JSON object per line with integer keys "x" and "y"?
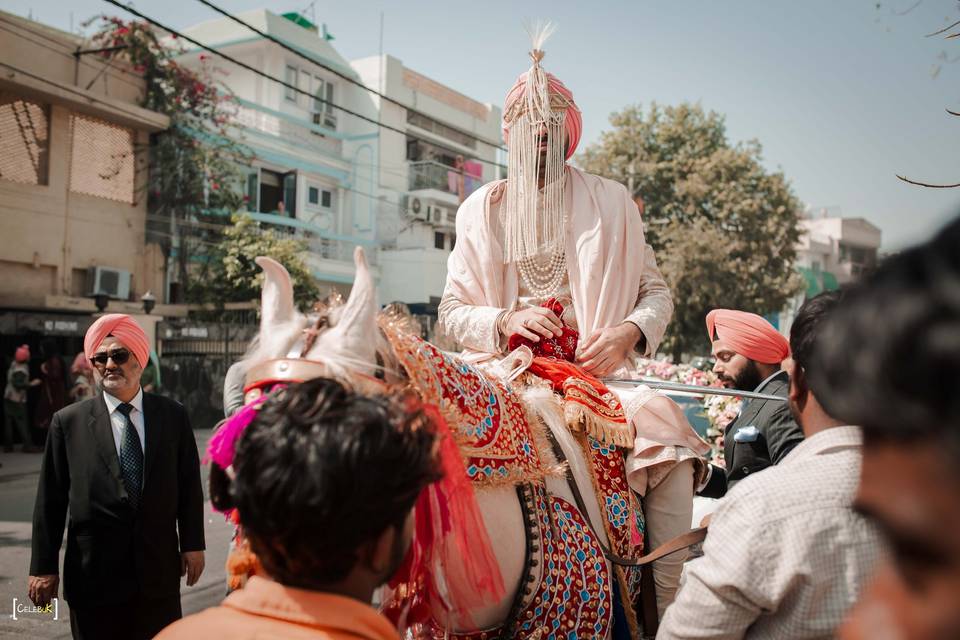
{"x": 562, "y": 348}
{"x": 588, "y": 404}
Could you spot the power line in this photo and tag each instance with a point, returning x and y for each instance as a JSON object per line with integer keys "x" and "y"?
{"x": 339, "y": 74}
{"x": 286, "y": 84}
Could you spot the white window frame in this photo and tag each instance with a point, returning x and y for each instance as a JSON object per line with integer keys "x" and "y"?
{"x": 321, "y": 189}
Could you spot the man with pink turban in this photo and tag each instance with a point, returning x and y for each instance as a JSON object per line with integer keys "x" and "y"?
{"x": 15, "y": 401}
{"x": 554, "y": 259}
{"x": 125, "y": 465}
{"x": 748, "y": 352}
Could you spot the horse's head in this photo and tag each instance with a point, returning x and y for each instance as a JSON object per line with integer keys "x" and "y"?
{"x": 337, "y": 339}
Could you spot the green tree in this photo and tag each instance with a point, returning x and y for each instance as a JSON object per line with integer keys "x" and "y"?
{"x": 723, "y": 227}
{"x": 231, "y": 275}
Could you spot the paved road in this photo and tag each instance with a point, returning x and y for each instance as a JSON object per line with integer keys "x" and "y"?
{"x": 18, "y": 487}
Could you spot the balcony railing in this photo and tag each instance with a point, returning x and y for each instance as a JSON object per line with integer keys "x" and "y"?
{"x": 320, "y": 246}
{"x": 288, "y": 130}
{"x": 428, "y": 174}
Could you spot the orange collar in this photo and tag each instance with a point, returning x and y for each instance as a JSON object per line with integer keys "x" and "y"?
{"x": 330, "y": 612}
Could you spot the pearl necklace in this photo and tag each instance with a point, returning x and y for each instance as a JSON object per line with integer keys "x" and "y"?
{"x": 543, "y": 279}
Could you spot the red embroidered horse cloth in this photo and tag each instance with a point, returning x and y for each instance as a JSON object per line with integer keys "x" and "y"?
{"x": 487, "y": 418}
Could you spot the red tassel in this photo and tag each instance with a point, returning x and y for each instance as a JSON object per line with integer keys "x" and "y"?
{"x": 450, "y": 548}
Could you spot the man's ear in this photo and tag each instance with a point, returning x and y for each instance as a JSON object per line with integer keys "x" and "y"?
{"x": 798, "y": 383}
{"x": 378, "y": 554}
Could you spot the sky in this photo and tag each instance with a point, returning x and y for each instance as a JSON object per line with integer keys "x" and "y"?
{"x": 843, "y": 95}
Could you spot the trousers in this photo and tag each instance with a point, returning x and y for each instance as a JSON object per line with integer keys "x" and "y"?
{"x": 668, "y": 511}
{"x": 139, "y": 619}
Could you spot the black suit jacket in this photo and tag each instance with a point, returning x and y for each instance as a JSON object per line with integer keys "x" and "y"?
{"x": 778, "y": 435}
{"x": 114, "y": 553}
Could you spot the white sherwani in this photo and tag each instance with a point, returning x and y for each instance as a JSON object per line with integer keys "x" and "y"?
{"x": 612, "y": 277}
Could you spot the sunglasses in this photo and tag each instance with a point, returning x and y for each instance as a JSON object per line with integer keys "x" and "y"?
{"x": 119, "y": 357}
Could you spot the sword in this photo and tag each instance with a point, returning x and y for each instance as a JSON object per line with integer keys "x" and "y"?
{"x": 692, "y": 388}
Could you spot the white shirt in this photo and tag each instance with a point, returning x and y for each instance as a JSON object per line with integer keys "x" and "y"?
{"x": 118, "y": 421}
{"x": 786, "y": 555}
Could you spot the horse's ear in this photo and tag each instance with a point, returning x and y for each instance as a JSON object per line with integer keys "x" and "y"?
{"x": 352, "y": 338}
{"x": 276, "y": 298}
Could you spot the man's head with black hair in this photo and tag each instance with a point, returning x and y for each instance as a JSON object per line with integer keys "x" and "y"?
{"x": 804, "y": 394}
{"x": 889, "y": 360}
{"x": 325, "y": 483}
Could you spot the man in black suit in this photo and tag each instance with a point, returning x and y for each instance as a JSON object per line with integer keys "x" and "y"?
{"x": 748, "y": 352}
{"x": 125, "y": 463}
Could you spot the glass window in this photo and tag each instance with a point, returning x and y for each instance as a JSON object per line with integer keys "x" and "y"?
{"x": 319, "y": 94}
{"x": 24, "y": 140}
{"x": 290, "y": 194}
{"x": 252, "y": 198}
{"x": 313, "y": 195}
{"x": 438, "y": 240}
{"x": 305, "y": 86}
{"x": 329, "y": 116}
{"x": 290, "y": 77}
{"x": 429, "y": 124}
{"x": 326, "y": 199}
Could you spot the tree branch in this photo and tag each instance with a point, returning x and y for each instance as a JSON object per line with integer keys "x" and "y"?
{"x": 944, "y": 30}
{"x": 931, "y": 186}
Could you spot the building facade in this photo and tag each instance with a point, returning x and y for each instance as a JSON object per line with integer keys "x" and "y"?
{"x": 72, "y": 206}
{"x": 833, "y": 251}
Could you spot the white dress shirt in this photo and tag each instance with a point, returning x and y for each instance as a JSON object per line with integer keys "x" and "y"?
{"x": 786, "y": 555}
{"x": 118, "y": 422}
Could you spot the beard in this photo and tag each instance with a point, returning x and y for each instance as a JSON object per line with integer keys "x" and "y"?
{"x": 748, "y": 379}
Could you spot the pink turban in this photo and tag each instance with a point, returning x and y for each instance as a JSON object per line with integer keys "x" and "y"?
{"x": 749, "y": 335}
{"x": 22, "y": 354}
{"x": 123, "y": 328}
{"x": 573, "y": 122}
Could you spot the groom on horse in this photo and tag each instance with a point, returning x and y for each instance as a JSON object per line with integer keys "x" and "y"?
{"x": 554, "y": 260}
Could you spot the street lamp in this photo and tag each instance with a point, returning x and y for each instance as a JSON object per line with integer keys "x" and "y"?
{"x": 149, "y": 302}
{"x": 101, "y": 300}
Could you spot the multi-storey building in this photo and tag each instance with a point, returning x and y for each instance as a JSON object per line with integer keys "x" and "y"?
{"x": 72, "y": 208}
{"x": 389, "y": 176}
{"x": 448, "y": 147}
{"x": 833, "y": 251}
{"x": 313, "y": 172}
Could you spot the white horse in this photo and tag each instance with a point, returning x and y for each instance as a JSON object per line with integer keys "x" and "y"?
{"x": 554, "y": 504}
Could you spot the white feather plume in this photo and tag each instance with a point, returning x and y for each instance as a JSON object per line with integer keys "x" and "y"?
{"x": 539, "y": 32}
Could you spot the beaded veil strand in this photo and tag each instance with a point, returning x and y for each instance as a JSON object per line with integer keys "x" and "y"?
{"x": 534, "y": 224}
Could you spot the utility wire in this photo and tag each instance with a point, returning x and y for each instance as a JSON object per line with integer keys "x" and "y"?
{"x": 292, "y": 87}
{"x": 339, "y": 74}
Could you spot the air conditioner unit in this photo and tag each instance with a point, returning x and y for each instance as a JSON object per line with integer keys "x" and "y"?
{"x": 416, "y": 209}
{"x": 441, "y": 216}
{"x": 328, "y": 120}
{"x": 112, "y": 282}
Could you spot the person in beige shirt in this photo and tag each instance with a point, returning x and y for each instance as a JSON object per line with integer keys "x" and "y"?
{"x": 786, "y": 555}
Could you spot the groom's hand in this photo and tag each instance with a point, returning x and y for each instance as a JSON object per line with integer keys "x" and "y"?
{"x": 606, "y": 349}
{"x": 534, "y": 322}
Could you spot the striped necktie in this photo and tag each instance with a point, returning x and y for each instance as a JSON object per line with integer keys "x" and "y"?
{"x": 131, "y": 457}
